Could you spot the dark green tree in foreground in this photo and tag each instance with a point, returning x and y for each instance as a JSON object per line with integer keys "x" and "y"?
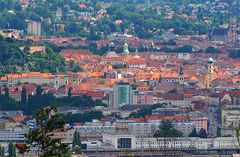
{"x": 166, "y": 129}
{"x": 69, "y": 93}
{"x": 193, "y": 133}
{"x": 2, "y": 150}
{"x": 11, "y": 150}
{"x": 48, "y": 123}
{"x": 202, "y": 133}
{"x": 24, "y": 96}
{"x": 6, "y": 92}
{"x": 77, "y": 143}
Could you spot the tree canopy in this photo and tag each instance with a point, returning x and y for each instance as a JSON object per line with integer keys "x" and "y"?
{"x": 49, "y": 124}
{"x": 166, "y": 129}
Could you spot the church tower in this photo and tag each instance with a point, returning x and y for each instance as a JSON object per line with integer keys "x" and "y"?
{"x": 232, "y": 34}
{"x": 233, "y": 29}
{"x": 136, "y": 54}
{"x": 210, "y": 73}
{"x": 181, "y": 76}
{"x": 125, "y": 49}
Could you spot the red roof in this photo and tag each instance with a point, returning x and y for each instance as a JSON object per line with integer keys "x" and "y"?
{"x": 97, "y": 94}
{"x": 157, "y": 117}
{"x": 18, "y": 118}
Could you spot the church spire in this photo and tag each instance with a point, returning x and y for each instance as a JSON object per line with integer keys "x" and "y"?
{"x": 136, "y": 54}
{"x": 126, "y": 51}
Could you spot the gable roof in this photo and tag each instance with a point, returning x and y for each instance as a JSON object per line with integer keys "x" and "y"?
{"x": 219, "y": 31}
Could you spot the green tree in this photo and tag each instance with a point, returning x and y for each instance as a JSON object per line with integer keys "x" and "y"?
{"x": 11, "y": 150}
{"x": 24, "y": 96}
{"x": 212, "y": 50}
{"x": 202, "y": 133}
{"x": 193, "y": 133}
{"x": 2, "y": 151}
{"x": 219, "y": 134}
{"x": 166, "y": 129}
{"x": 69, "y": 93}
{"x": 77, "y": 143}
{"x": 48, "y": 123}
{"x": 6, "y": 92}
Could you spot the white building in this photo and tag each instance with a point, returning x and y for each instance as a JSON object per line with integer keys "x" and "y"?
{"x": 34, "y": 28}
{"x": 185, "y": 102}
{"x": 185, "y": 127}
{"x": 131, "y": 142}
{"x": 143, "y": 129}
{"x": 7, "y": 136}
{"x": 95, "y": 128}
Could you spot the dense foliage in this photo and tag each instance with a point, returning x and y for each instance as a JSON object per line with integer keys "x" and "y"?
{"x": 234, "y": 54}
{"x": 14, "y": 60}
{"x": 139, "y": 17}
{"x": 48, "y": 124}
{"x": 145, "y": 111}
{"x": 83, "y": 117}
{"x": 34, "y": 102}
{"x": 166, "y": 129}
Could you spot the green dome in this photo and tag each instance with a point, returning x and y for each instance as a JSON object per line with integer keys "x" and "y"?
{"x": 210, "y": 60}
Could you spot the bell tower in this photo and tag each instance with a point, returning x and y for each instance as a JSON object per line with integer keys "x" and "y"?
{"x": 125, "y": 49}
{"x": 181, "y": 79}
{"x": 210, "y": 73}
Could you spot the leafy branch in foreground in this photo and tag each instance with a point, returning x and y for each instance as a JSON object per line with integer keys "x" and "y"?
{"x": 43, "y": 137}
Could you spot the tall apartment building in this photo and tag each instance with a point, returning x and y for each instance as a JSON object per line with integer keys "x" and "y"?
{"x": 122, "y": 94}
{"x": 34, "y": 28}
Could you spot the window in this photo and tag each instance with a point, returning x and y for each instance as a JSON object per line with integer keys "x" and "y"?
{"x": 124, "y": 143}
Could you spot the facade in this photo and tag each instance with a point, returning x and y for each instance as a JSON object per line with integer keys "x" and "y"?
{"x": 186, "y": 128}
{"x": 66, "y": 137}
{"x": 182, "y": 102}
{"x": 12, "y": 136}
{"x": 34, "y": 28}
{"x": 143, "y": 129}
{"x": 34, "y": 78}
{"x": 122, "y": 94}
{"x": 181, "y": 79}
{"x": 166, "y": 111}
{"x": 95, "y": 128}
{"x": 142, "y": 98}
{"x": 210, "y": 73}
{"x": 230, "y": 116}
{"x": 10, "y": 33}
{"x": 120, "y": 141}
{"x": 200, "y": 123}
{"x": 136, "y": 63}
{"x": 181, "y": 143}
{"x": 219, "y": 35}
{"x": 122, "y": 126}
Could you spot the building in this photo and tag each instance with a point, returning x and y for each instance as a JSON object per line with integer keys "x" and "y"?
{"x": 125, "y": 49}
{"x": 210, "y": 73}
{"x": 185, "y": 127}
{"x": 122, "y": 94}
{"x": 219, "y": 35}
{"x": 122, "y": 126}
{"x": 166, "y": 111}
{"x": 35, "y": 49}
{"x": 7, "y": 136}
{"x": 95, "y": 128}
{"x": 181, "y": 79}
{"x": 34, "y": 28}
{"x": 10, "y": 33}
{"x": 120, "y": 141}
{"x": 145, "y": 129}
{"x": 142, "y": 98}
{"x": 200, "y": 123}
{"x": 128, "y": 141}
{"x": 34, "y": 78}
